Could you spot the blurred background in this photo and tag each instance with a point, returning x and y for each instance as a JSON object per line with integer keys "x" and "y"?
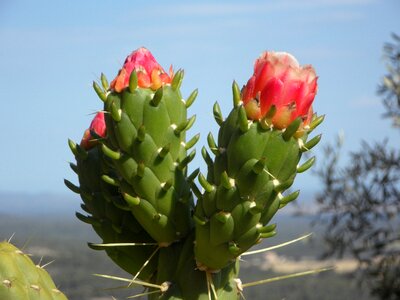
{"x": 51, "y": 51}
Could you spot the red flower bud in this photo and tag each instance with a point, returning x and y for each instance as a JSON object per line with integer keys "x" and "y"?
{"x": 98, "y": 126}
{"x": 278, "y": 80}
{"x": 150, "y": 74}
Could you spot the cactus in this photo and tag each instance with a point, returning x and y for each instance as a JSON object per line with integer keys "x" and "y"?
{"x": 20, "y": 278}
{"x": 256, "y": 159}
{"x": 132, "y": 169}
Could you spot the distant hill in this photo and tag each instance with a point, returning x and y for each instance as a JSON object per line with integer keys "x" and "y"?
{"x": 43, "y": 204}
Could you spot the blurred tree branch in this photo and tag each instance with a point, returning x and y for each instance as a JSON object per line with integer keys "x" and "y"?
{"x": 390, "y": 86}
{"x": 360, "y": 203}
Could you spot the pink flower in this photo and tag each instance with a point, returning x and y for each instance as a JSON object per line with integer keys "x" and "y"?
{"x": 98, "y": 126}
{"x": 150, "y": 74}
{"x": 280, "y": 81}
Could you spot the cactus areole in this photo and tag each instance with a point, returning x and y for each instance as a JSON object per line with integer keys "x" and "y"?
{"x": 180, "y": 238}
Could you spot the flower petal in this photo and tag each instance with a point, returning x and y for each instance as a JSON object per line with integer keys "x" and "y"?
{"x": 271, "y": 94}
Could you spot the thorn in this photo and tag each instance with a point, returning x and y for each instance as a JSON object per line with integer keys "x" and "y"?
{"x": 193, "y": 175}
{"x": 86, "y": 196}
{"x": 227, "y": 182}
{"x": 131, "y": 200}
{"x": 200, "y": 221}
{"x": 208, "y": 187}
{"x": 74, "y": 168}
{"x": 110, "y": 180}
{"x": 239, "y": 285}
{"x": 162, "y": 152}
{"x": 141, "y": 133}
{"x": 277, "y": 246}
{"x": 138, "y": 282}
{"x": 48, "y": 264}
{"x": 11, "y": 237}
{"x": 213, "y": 146}
{"x": 99, "y": 91}
{"x": 191, "y": 98}
{"x": 157, "y": 217}
{"x": 140, "y": 169}
{"x": 177, "y": 80}
{"x": 192, "y": 141}
{"x": 157, "y": 97}
{"x": 82, "y": 153}
{"x": 184, "y": 126}
{"x": 196, "y": 190}
{"x": 259, "y": 166}
{"x": 72, "y": 146}
{"x": 104, "y": 82}
{"x": 217, "y": 114}
{"x": 206, "y": 156}
{"x": 243, "y": 122}
{"x": 107, "y": 245}
{"x": 222, "y": 216}
{"x": 291, "y": 129}
{"x": 308, "y": 164}
{"x": 289, "y": 198}
{"x": 246, "y": 285}
{"x": 87, "y": 219}
{"x": 236, "y": 94}
{"x": 233, "y": 248}
{"x": 116, "y": 113}
{"x": 281, "y": 186}
{"x": 266, "y": 235}
{"x": 311, "y": 143}
{"x": 211, "y": 284}
{"x": 110, "y": 153}
{"x": 165, "y": 286}
{"x": 316, "y": 122}
{"x": 266, "y": 229}
{"x": 72, "y": 186}
{"x": 165, "y": 186}
{"x": 187, "y": 160}
{"x": 254, "y": 209}
{"x": 84, "y": 208}
{"x": 133, "y": 81}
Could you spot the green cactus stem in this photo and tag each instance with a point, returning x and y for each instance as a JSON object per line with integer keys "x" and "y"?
{"x": 109, "y": 214}
{"x": 253, "y": 166}
{"x": 146, "y": 144}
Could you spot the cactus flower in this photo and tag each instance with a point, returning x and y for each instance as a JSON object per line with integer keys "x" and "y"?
{"x": 98, "y": 126}
{"x": 150, "y": 74}
{"x": 278, "y": 80}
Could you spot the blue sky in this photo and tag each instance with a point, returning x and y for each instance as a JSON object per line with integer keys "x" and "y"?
{"x": 51, "y": 51}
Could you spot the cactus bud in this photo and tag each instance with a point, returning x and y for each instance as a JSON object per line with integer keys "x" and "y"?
{"x": 279, "y": 80}
{"x": 98, "y": 127}
{"x": 149, "y": 73}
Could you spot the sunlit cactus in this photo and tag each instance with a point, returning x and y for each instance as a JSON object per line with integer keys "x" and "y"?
{"x": 256, "y": 159}
{"x": 21, "y": 279}
{"x": 178, "y": 239}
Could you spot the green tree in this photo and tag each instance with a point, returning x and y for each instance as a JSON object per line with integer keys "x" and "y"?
{"x": 360, "y": 203}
